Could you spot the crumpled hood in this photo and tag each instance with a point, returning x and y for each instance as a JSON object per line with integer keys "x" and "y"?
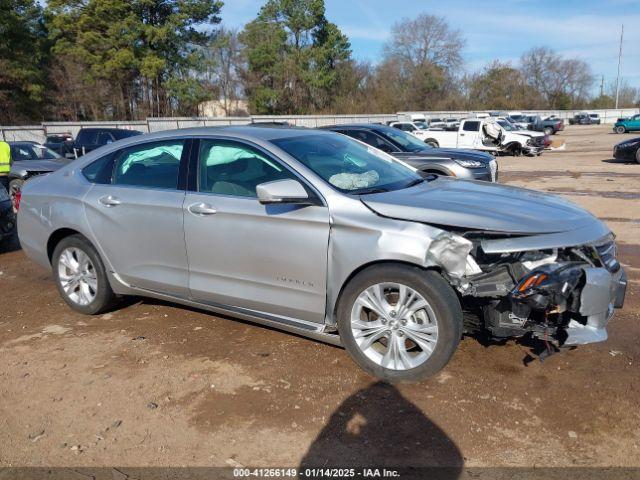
{"x": 39, "y": 165}
{"x": 480, "y": 206}
{"x": 452, "y": 153}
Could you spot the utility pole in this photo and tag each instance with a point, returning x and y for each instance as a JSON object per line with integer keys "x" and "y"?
{"x": 602, "y": 87}
{"x": 619, "y": 59}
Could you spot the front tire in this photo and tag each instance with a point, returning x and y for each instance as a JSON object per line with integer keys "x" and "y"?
{"x": 432, "y": 142}
{"x": 621, "y": 129}
{"x": 400, "y": 323}
{"x": 81, "y": 277}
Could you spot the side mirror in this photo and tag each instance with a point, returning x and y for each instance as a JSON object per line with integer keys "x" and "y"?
{"x": 282, "y": 191}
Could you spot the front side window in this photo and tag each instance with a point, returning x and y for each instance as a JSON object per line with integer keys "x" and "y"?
{"x": 231, "y": 168}
{"x": 153, "y": 165}
{"x": 408, "y": 143}
{"x": 347, "y": 165}
{"x": 104, "y": 138}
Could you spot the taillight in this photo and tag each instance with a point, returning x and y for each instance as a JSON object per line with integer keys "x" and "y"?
{"x": 16, "y": 200}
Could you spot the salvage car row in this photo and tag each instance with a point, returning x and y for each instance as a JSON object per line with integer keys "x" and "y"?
{"x": 342, "y": 234}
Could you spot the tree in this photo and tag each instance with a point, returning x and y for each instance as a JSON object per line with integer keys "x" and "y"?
{"x": 141, "y": 64}
{"x": 293, "y": 54}
{"x": 628, "y": 96}
{"x": 420, "y": 62}
{"x": 561, "y": 83}
{"x": 22, "y": 61}
{"x": 500, "y": 87}
{"x": 225, "y": 65}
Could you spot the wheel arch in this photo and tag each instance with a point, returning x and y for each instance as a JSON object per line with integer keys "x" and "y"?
{"x": 432, "y": 141}
{"x": 57, "y": 236}
{"x": 366, "y": 266}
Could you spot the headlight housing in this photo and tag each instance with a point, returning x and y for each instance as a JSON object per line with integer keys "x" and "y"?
{"x": 469, "y": 163}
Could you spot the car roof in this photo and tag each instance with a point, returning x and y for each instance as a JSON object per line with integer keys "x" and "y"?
{"x": 372, "y": 126}
{"x": 106, "y": 129}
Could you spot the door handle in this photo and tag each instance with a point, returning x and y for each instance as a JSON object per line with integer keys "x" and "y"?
{"x": 110, "y": 201}
{"x": 462, "y": 134}
{"x": 202, "y": 209}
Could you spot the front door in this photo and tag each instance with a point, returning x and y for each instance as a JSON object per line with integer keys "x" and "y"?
{"x": 136, "y": 216}
{"x": 469, "y": 134}
{"x": 267, "y": 258}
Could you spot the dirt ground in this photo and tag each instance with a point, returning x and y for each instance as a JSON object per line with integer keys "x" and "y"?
{"x": 157, "y": 384}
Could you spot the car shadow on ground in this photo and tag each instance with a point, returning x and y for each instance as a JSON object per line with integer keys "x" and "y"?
{"x": 377, "y": 427}
{"x": 618, "y": 160}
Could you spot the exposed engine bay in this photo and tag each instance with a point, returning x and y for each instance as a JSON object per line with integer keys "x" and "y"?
{"x": 564, "y": 296}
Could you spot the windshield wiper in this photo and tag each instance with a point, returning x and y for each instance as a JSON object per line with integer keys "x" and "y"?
{"x": 367, "y": 191}
{"x": 415, "y": 182}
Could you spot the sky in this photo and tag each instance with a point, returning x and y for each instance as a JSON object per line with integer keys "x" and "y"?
{"x": 502, "y": 30}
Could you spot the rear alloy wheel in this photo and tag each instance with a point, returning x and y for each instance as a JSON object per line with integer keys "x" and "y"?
{"x": 620, "y": 129}
{"x": 80, "y": 276}
{"x": 400, "y": 323}
{"x": 15, "y": 186}
{"x": 548, "y": 131}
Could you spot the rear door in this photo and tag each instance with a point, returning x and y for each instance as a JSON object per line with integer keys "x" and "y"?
{"x": 135, "y": 211}
{"x": 266, "y": 258}
{"x": 634, "y": 124}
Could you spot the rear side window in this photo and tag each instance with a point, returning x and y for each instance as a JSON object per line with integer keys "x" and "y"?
{"x": 471, "y": 126}
{"x": 370, "y": 138}
{"x": 152, "y": 165}
{"x": 101, "y": 170}
{"x": 105, "y": 138}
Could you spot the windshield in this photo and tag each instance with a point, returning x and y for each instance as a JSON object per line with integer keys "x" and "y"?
{"x": 506, "y": 125}
{"x": 420, "y": 124}
{"x": 406, "y": 141}
{"x": 32, "y": 151}
{"x": 348, "y": 165}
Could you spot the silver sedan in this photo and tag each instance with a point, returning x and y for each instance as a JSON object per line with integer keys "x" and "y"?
{"x": 316, "y": 233}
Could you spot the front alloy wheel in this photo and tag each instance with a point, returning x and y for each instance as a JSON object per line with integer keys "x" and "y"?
{"x": 399, "y": 322}
{"x": 394, "y": 326}
{"x": 620, "y": 129}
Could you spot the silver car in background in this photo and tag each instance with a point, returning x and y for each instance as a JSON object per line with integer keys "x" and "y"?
{"x": 318, "y": 234}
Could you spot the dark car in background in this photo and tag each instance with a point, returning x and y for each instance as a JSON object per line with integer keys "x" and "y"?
{"x": 460, "y": 163}
{"x": 581, "y": 119}
{"x": 595, "y": 119}
{"x": 628, "y": 150}
{"x": 89, "y": 139}
{"x": 7, "y": 217}
{"x": 61, "y": 143}
{"x": 30, "y": 159}
{"x": 549, "y": 125}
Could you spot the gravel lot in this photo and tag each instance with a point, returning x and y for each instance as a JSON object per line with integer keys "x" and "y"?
{"x": 158, "y": 384}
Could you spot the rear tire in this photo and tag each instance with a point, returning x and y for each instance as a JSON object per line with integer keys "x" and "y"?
{"x": 423, "y": 329}
{"x": 81, "y": 277}
{"x": 638, "y": 155}
{"x": 621, "y": 129}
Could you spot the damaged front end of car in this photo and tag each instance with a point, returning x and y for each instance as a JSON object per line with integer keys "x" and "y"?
{"x": 564, "y": 296}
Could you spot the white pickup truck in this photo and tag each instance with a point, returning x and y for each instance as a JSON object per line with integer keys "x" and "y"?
{"x": 487, "y": 135}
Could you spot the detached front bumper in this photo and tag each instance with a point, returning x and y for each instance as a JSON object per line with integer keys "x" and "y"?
{"x": 602, "y": 293}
